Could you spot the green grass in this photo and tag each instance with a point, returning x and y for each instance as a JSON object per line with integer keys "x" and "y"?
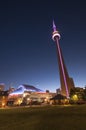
{"x": 44, "y": 118}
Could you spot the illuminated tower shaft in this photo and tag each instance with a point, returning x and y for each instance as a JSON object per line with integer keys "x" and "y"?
{"x": 65, "y": 80}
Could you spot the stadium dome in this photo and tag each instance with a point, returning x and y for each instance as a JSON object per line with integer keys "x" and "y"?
{"x": 24, "y": 87}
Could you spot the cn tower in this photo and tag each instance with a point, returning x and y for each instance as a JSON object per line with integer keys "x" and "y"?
{"x": 65, "y": 81}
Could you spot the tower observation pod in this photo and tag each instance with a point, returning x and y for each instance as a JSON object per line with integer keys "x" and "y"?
{"x": 65, "y": 81}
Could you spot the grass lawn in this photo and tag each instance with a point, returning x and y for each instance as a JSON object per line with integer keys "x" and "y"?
{"x": 44, "y": 118}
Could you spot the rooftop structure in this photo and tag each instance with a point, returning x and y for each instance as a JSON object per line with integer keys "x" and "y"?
{"x": 23, "y": 88}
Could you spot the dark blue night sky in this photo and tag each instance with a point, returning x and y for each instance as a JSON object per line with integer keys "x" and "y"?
{"x": 27, "y": 51}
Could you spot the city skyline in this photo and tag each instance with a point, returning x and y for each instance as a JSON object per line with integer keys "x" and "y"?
{"x": 27, "y": 52}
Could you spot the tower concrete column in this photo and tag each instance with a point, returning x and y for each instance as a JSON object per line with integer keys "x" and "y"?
{"x": 66, "y": 82}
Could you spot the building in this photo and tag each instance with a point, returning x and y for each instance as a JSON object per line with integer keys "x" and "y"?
{"x": 65, "y": 81}
{"x": 28, "y": 94}
{"x": 2, "y": 86}
{"x": 3, "y": 98}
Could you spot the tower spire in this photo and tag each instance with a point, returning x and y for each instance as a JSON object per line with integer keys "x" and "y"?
{"x": 54, "y": 26}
